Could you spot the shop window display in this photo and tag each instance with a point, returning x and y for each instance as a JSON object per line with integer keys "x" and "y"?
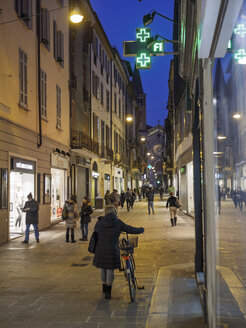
{"x": 58, "y": 187}
{"x": 21, "y": 184}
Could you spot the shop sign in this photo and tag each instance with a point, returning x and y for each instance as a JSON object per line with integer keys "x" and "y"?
{"x": 22, "y": 165}
{"x": 59, "y": 162}
{"x": 95, "y": 174}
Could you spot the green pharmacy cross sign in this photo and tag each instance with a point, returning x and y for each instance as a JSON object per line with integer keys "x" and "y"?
{"x": 143, "y": 48}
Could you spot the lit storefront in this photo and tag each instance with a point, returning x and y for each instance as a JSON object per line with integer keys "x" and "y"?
{"x": 118, "y": 179}
{"x": 21, "y": 183}
{"x": 59, "y": 169}
{"x": 94, "y": 183}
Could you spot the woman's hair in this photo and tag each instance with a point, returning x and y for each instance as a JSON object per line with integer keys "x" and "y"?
{"x": 74, "y": 198}
{"x": 171, "y": 193}
{"x": 86, "y": 198}
{"x": 110, "y": 209}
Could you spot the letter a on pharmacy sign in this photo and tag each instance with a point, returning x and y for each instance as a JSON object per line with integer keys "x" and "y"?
{"x": 142, "y": 49}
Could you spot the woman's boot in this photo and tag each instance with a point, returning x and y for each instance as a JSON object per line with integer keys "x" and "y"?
{"x": 108, "y": 292}
{"x": 67, "y": 238}
{"x": 104, "y": 288}
{"x": 171, "y": 222}
{"x": 175, "y": 220}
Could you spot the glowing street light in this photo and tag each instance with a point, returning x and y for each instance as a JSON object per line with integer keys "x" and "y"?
{"x": 221, "y": 137}
{"x": 152, "y": 157}
{"x": 236, "y": 116}
{"x": 76, "y": 16}
{"x": 129, "y": 118}
{"x": 142, "y": 138}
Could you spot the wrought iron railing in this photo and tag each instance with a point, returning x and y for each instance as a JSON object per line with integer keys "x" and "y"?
{"x": 82, "y": 140}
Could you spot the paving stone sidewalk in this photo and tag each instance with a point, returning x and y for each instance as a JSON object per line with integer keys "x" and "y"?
{"x": 53, "y": 283}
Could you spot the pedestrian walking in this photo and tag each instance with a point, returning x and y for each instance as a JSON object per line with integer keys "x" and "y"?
{"x": 122, "y": 199}
{"x": 133, "y": 197}
{"x": 173, "y": 205}
{"x": 31, "y": 208}
{"x": 161, "y": 191}
{"x": 107, "y": 198}
{"x": 128, "y": 199}
{"x": 107, "y": 253}
{"x": 150, "y": 198}
{"x": 72, "y": 216}
{"x": 85, "y": 218}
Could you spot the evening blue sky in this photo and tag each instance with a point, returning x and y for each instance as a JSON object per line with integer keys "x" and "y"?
{"x": 120, "y": 18}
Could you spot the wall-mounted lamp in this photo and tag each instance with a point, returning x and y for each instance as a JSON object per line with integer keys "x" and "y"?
{"x": 236, "y": 116}
{"x": 76, "y": 15}
{"x": 129, "y": 118}
{"x": 148, "y": 19}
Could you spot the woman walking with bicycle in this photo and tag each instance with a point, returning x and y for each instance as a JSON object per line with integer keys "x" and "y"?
{"x": 107, "y": 253}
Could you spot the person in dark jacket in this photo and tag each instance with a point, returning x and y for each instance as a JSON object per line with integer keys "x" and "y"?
{"x": 128, "y": 199}
{"x": 85, "y": 218}
{"x": 31, "y": 208}
{"x": 107, "y": 253}
{"x": 107, "y": 198}
{"x": 150, "y": 196}
{"x": 173, "y": 208}
{"x": 122, "y": 199}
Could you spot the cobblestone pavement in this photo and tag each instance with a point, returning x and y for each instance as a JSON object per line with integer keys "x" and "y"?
{"x": 53, "y": 283}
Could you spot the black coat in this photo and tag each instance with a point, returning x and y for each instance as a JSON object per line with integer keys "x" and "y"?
{"x": 107, "y": 254}
{"x": 32, "y": 214}
{"x": 171, "y": 202}
{"x": 85, "y": 214}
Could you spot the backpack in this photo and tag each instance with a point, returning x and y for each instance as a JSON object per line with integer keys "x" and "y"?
{"x": 64, "y": 213}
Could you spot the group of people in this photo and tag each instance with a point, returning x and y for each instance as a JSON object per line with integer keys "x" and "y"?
{"x": 117, "y": 199}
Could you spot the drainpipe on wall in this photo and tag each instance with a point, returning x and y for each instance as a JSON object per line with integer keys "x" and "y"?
{"x": 38, "y": 13}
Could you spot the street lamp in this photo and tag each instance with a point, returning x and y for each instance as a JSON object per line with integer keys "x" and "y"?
{"x": 129, "y": 118}
{"x": 143, "y": 139}
{"x": 152, "y": 157}
{"x": 76, "y": 16}
{"x": 148, "y": 19}
{"x": 221, "y": 137}
{"x": 148, "y": 154}
{"x": 236, "y": 116}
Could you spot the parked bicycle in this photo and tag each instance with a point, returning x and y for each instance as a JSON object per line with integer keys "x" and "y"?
{"x": 127, "y": 246}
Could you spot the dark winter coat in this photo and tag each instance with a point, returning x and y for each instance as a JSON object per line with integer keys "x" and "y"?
{"x": 32, "y": 214}
{"x": 85, "y": 214}
{"x": 150, "y": 195}
{"x": 107, "y": 199}
{"x": 107, "y": 254}
{"x": 171, "y": 202}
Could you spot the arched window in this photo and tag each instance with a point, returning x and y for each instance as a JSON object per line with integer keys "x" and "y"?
{"x": 94, "y": 167}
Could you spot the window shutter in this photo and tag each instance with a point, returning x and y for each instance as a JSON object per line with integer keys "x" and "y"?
{"x": 55, "y": 38}
{"x": 62, "y": 49}
{"x": 29, "y": 13}
{"x": 18, "y": 7}
{"x": 48, "y": 28}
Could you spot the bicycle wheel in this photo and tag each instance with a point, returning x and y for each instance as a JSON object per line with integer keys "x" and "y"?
{"x": 132, "y": 284}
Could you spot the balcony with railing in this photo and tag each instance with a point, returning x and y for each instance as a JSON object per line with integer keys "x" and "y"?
{"x": 81, "y": 140}
{"x": 106, "y": 153}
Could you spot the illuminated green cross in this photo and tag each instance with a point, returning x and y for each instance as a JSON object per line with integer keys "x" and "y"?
{"x": 240, "y": 29}
{"x": 143, "y": 34}
{"x": 240, "y": 56}
{"x": 140, "y": 48}
{"x": 142, "y": 60}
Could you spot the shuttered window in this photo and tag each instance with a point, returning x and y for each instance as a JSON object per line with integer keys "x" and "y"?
{"x": 58, "y": 107}
{"x": 23, "y": 77}
{"x": 45, "y": 27}
{"x": 43, "y": 84}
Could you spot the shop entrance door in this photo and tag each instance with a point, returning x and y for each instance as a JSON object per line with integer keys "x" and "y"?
{"x": 21, "y": 184}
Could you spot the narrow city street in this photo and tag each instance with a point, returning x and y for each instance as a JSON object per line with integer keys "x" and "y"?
{"x": 53, "y": 284}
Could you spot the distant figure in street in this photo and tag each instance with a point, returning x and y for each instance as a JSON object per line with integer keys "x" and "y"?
{"x": 122, "y": 199}
{"x": 219, "y": 198}
{"x": 173, "y": 208}
{"x": 150, "y": 198}
{"x": 133, "y": 197}
{"x": 31, "y": 208}
{"x": 71, "y": 221}
{"x": 107, "y": 198}
{"x": 85, "y": 218}
{"x": 161, "y": 191}
{"x": 128, "y": 199}
{"x": 107, "y": 253}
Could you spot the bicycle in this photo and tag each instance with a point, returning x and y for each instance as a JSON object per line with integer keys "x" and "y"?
{"x": 127, "y": 246}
